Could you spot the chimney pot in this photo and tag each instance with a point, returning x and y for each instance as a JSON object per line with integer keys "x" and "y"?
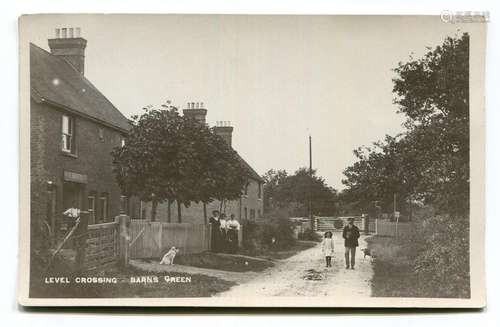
{"x": 195, "y": 111}
{"x": 224, "y": 131}
{"x": 71, "y": 49}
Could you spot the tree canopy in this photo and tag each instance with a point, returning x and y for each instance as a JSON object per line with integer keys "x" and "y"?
{"x": 429, "y": 162}
{"x": 282, "y": 190}
{"x": 167, "y": 156}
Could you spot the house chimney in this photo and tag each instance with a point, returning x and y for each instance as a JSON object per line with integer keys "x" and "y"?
{"x": 196, "y": 111}
{"x": 70, "y": 46}
{"x": 225, "y": 130}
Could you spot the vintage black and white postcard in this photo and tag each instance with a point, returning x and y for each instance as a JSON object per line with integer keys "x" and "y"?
{"x": 252, "y": 160}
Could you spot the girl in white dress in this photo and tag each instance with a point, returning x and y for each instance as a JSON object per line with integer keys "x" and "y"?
{"x": 327, "y": 248}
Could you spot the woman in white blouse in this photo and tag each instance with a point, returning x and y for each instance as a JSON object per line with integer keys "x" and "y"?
{"x": 233, "y": 226}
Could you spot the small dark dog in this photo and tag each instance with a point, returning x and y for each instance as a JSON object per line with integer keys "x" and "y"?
{"x": 368, "y": 252}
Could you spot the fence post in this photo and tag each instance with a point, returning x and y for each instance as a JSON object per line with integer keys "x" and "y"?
{"x": 366, "y": 224}
{"x": 160, "y": 239}
{"x": 124, "y": 239}
{"x": 209, "y": 236}
{"x": 81, "y": 240}
{"x": 240, "y": 237}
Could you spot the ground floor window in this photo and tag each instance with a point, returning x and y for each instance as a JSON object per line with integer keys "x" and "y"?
{"x": 124, "y": 204}
{"x": 103, "y": 207}
{"x": 91, "y": 208}
{"x": 142, "y": 213}
{"x": 252, "y": 213}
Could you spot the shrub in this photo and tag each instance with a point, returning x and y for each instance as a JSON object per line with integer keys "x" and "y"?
{"x": 271, "y": 234}
{"x": 444, "y": 259}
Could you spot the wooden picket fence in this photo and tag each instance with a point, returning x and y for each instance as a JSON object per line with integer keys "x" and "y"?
{"x": 388, "y": 228}
{"x": 102, "y": 245}
{"x": 153, "y": 239}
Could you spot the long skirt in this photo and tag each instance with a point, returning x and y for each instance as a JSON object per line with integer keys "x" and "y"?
{"x": 232, "y": 237}
{"x": 216, "y": 240}
{"x": 223, "y": 241}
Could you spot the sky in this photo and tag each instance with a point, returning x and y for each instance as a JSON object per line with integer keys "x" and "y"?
{"x": 277, "y": 79}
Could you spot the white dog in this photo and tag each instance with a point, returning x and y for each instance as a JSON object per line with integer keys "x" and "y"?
{"x": 168, "y": 258}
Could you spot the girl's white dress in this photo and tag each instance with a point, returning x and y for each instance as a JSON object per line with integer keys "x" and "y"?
{"x": 327, "y": 247}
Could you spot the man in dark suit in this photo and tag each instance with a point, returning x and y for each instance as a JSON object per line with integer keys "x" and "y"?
{"x": 350, "y": 235}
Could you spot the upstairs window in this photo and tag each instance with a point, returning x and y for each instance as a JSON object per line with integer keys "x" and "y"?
{"x": 101, "y": 134}
{"x": 259, "y": 194}
{"x": 68, "y": 134}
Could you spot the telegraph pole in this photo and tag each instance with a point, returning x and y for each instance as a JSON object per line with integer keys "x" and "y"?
{"x": 311, "y": 218}
{"x": 394, "y": 195}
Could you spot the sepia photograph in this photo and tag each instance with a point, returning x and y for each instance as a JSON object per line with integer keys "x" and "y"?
{"x": 252, "y": 160}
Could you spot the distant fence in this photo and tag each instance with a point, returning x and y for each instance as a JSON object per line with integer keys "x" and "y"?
{"x": 153, "y": 239}
{"x": 323, "y": 224}
{"x": 388, "y": 228}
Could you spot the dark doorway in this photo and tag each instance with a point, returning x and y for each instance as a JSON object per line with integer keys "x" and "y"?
{"x": 72, "y": 195}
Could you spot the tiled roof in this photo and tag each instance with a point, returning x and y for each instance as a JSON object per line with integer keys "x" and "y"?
{"x": 54, "y": 80}
{"x": 253, "y": 174}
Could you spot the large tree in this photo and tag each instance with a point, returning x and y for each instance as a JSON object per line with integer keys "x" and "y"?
{"x": 273, "y": 178}
{"x": 294, "y": 192}
{"x": 171, "y": 157}
{"x": 433, "y": 93}
{"x": 428, "y": 163}
{"x": 385, "y": 169}
{"x": 430, "y": 160}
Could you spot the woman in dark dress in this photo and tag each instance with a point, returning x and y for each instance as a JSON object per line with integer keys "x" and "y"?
{"x": 215, "y": 237}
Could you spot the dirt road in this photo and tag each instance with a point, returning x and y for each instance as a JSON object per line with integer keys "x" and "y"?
{"x": 305, "y": 275}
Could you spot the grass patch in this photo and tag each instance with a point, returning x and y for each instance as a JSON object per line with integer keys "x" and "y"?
{"x": 394, "y": 275}
{"x": 199, "y": 286}
{"x": 221, "y": 261}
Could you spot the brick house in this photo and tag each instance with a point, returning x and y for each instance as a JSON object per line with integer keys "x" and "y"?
{"x": 249, "y": 206}
{"x": 74, "y": 127}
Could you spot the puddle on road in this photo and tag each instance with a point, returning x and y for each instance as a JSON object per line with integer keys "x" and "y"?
{"x": 312, "y": 274}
